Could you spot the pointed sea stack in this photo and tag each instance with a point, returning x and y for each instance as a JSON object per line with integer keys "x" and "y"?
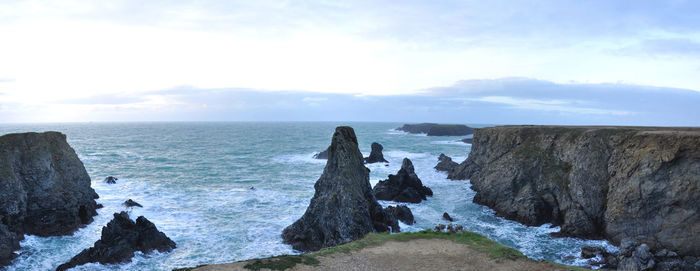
{"x": 376, "y": 154}
{"x": 120, "y": 239}
{"x": 402, "y": 187}
{"x": 343, "y": 207}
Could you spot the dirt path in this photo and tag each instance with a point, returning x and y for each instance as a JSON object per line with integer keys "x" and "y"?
{"x": 419, "y": 254}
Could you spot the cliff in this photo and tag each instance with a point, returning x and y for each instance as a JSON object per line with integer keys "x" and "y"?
{"x": 343, "y": 207}
{"x": 596, "y": 182}
{"x": 44, "y": 189}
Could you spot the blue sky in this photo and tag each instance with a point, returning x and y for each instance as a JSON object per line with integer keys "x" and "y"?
{"x": 539, "y": 62}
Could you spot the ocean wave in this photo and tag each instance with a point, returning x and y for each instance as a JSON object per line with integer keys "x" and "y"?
{"x": 298, "y": 158}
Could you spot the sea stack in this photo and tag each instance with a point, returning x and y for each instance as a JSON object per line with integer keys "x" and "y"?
{"x": 405, "y": 186}
{"x": 637, "y": 183}
{"x": 44, "y": 189}
{"x": 376, "y": 154}
{"x": 343, "y": 207}
{"x": 120, "y": 239}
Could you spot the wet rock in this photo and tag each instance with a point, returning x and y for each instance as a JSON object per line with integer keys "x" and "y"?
{"x": 405, "y": 186}
{"x": 434, "y": 129}
{"x": 594, "y": 182}
{"x": 376, "y": 154}
{"x": 467, "y": 140}
{"x": 44, "y": 189}
{"x": 322, "y": 155}
{"x": 447, "y": 217}
{"x": 343, "y": 207}
{"x": 588, "y": 252}
{"x": 445, "y": 163}
{"x": 120, "y": 239}
{"x": 403, "y": 213}
{"x": 111, "y": 180}
{"x": 131, "y": 203}
{"x": 640, "y": 259}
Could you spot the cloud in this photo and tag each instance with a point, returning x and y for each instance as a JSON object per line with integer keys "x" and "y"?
{"x": 497, "y": 101}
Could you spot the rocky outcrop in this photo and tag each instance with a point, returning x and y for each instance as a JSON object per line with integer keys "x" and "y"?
{"x": 402, "y": 213}
{"x": 322, "y": 155}
{"x": 596, "y": 182}
{"x": 120, "y": 239}
{"x": 343, "y": 207}
{"x": 131, "y": 203}
{"x": 467, "y": 140}
{"x": 447, "y": 217}
{"x": 405, "y": 186}
{"x": 44, "y": 189}
{"x": 445, "y": 163}
{"x": 376, "y": 154}
{"x": 434, "y": 129}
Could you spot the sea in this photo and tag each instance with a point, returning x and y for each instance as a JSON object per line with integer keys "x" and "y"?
{"x": 224, "y": 191}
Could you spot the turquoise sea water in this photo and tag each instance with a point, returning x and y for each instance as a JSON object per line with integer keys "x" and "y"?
{"x": 194, "y": 181}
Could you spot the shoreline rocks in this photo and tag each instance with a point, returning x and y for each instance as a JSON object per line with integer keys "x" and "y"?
{"x": 111, "y": 180}
{"x": 121, "y": 237}
{"x": 376, "y": 154}
{"x": 44, "y": 187}
{"x": 434, "y": 129}
{"x": 595, "y": 182}
{"x": 343, "y": 207}
{"x": 405, "y": 186}
{"x": 445, "y": 163}
{"x": 131, "y": 203}
{"x": 402, "y": 213}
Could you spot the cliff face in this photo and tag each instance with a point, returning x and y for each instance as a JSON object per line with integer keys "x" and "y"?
{"x": 596, "y": 182}
{"x": 343, "y": 207}
{"x": 44, "y": 188}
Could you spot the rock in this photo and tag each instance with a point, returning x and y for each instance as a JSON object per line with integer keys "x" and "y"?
{"x": 467, "y": 140}
{"x": 403, "y": 213}
{"x": 588, "y": 252}
{"x": 44, "y": 189}
{"x": 120, "y": 239}
{"x": 9, "y": 242}
{"x": 322, "y": 155}
{"x": 447, "y": 217}
{"x": 434, "y": 129}
{"x": 131, "y": 203}
{"x": 376, "y": 154}
{"x": 594, "y": 182}
{"x": 641, "y": 259}
{"x": 402, "y": 187}
{"x": 111, "y": 180}
{"x": 343, "y": 207}
{"x": 445, "y": 163}
{"x": 99, "y": 206}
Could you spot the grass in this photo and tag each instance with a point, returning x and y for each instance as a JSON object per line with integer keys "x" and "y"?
{"x": 473, "y": 240}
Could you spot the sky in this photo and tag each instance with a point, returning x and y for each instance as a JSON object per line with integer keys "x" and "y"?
{"x": 493, "y": 62}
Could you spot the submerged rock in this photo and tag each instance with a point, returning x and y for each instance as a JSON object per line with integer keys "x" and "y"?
{"x": 111, "y": 180}
{"x": 131, "y": 203}
{"x": 343, "y": 207}
{"x": 44, "y": 189}
{"x": 376, "y": 154}
{"x": 322, "y": 155}
{"x": 120, "y": 239}
{"x": 445, "y": 164}
{"x": 405, "y": 186}
{"x": 434, "y": 129}
{"x": 402, "y": 213}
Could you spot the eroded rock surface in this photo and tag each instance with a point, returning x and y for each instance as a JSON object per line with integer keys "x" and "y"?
{"x": 120, "y": 239}
{"x": 376, "y": 155}
{"x": 44, "y": 189}
{"x": 596, "y": 182}
{"x": 343, "y": 207}
{"x": 402, "y": 213}
{"x": 445, "y": 163}
{"x": 405, "y": 186}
